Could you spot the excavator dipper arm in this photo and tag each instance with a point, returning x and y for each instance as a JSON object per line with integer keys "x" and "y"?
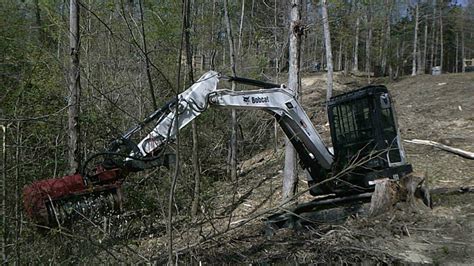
{"x": 279, "y": 102}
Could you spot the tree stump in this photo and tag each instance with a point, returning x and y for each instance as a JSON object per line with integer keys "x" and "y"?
{"x": 385, "y": 196}
{"x": 411, "y": 189}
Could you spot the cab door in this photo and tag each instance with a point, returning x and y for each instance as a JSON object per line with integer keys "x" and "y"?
{"x": 389, "y": 134}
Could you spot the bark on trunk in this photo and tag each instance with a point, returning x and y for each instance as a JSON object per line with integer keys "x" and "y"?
{"x": 277, "y": 67}
{"x": 386, "y": 38}
{"x": 290, "y": 177}
{"x": 233, "y": 134}
{"x": 74, "y": 89}
{"x": 457, "y": 53}
{"x": 239, "y": 49}
{"x": 4, "y": 195}
{"x": 425, "y": 47}
{"x": 397, "y": 69}
{"x": 462, "y": 52}
{"x": 419, "y": 67}
{"x": 327, "y": 42}
{"x": 433, "y": 37}
{"x": 389, "y": 46}
{"x": 39, "y": 24}
{"x": 415, "y": 42}
{"x": 147, "y": 58}
{"x": 339, "y": 57}
{"x": 197, "y": 172}
{"x": 368, "y": 43}
{"x": 411, "y": 189}
{"x": 356, "y": 46}
{"x": 189, "y": 82}
{"x": 17, "y": 188}
{"x": 384, "y": 197}
{"x": 441, "y": 53}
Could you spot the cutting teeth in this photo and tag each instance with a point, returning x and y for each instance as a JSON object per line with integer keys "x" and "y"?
{"x": 90, "y": 207}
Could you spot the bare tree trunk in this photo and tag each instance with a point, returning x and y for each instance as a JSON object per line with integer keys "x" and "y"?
{"x": 74, "y": 88}
{"x": 435, "y": 63}
{"x": 169, "y": 227}
{"x": 457, "y": 53}
{"x": 356, "y": 45}
{"x": 4, "y": 195}
{"x": 327, "y": 42}
{"x": 147, "y": 58}
{"x": 213, "y": 52}
{"x": 239, "y": 48}
{"x": 17, "y": 189}
{"x": 415, "y": 42}
{"x": 425, "y": 47}
{"x": 441, "y": 56}
{"x": 233, "y": 134}
{"x": 290, "y": 177}
{"x": 368, "y": 43}
{"x": 388, "y": 41}
{"x": 339, "y": 57}
{"x": 346, "y": 61}
{"x": 197, "y": 172}
{"x": 433, "y": 37}
{"x": 386, "y": 38}
{"x": 462, "y": 51}
{"x": 277, "y": 66}
{"x": 419, "y": 62}
{"x": 397, "y": 69}
{"x": 39, "y": 24}
{"x": 189, "y": 82}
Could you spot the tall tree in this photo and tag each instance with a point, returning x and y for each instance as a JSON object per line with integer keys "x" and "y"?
{"x": 327, "y": 42}
{"x": 462, "y": 51}
{"x": 4, "y": 194}
{"x": 457, "y": 54}
{"x": 290, "y": 177}
{"x": 415, "y": 42}
{"x": 146, "y": 57}
{"x": 356, "y": 44}
{"x": 425, "y": 46}
{"x": 368, "y": 42}
{"x": 388, "y": 40}
{"x": 433, "y": 37}
{"x": 441, "y": 38}
{"x": 74, "y": 88}
{"x": 233, "y": 132}
{"x": 190, "y": 81}
{"x": 242, "y": 13}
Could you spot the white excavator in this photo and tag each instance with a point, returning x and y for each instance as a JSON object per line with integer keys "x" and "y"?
{"x": 365, "y": 137}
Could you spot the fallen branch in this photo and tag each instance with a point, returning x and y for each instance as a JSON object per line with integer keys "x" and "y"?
{"x": 452, "y": 190}
{"x": 463, "y": 153}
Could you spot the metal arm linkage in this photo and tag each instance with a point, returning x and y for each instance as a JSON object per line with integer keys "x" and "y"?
{"x": 278, "y": 102}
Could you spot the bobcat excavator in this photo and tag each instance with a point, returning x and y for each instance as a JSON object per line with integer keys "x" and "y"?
{"x": 363, "y": 128}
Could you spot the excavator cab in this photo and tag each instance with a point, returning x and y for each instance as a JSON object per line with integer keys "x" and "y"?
{"x": 366, "y": 140}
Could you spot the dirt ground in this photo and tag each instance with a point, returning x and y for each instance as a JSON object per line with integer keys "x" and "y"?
{"x": 437, "y": 108}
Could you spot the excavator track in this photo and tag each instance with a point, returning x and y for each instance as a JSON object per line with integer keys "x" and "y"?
{"x": 324, "y": 210}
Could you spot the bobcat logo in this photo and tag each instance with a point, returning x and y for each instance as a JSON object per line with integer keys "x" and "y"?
{"x": 246, "y": 99}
